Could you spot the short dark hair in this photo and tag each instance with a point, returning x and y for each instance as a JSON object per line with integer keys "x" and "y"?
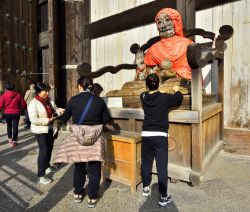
{"x": 42, "y": 86}
{"x": 152, "y": 82}
{"x": 86, "y": 82}
{"x": 10, "y": 86}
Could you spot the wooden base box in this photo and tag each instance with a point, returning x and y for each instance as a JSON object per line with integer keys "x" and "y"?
{"x": 123, "y": 158}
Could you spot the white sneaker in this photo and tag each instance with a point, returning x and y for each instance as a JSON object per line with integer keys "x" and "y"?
{"x": 51, "y": 169}
{"x": 145, "y": 191}
{"x": 44, "y": 180}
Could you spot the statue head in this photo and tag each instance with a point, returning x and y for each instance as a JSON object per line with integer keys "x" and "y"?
{"x": 165, "y": 25}
{"x": 169, "y": 23}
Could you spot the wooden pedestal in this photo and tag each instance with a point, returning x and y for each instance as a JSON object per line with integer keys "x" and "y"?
{"x": 123, "y": 158}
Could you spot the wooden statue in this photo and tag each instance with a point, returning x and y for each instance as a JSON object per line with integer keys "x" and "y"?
{"x": 171, "y": 55}
{"x": 166, "y": 57}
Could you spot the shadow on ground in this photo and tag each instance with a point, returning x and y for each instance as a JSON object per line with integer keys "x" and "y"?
{"x": 151, "y": 202}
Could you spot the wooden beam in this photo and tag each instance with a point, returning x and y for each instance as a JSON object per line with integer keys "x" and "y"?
{"x": 187, "y": 10}
{"x": 205, "y": 4}
{"x": 177, "y": 116}
{"x": 135, "y": 17}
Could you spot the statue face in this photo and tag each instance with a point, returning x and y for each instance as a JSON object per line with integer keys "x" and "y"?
{"x": 165, "y": 26}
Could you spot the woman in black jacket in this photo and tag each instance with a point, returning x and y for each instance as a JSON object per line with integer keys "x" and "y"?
{"x": 97, "y": 114}
{"x": 155, "y": 135}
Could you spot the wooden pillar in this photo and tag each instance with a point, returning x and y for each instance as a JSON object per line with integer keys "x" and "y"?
{"x": 77, "y": 48}
{"x": 187, "y": 10}
{"x": 221, "y": 95}
{"x": 197, "y": 149}
{"x": 33, "y": 47}
{"x": 53, "y": 46}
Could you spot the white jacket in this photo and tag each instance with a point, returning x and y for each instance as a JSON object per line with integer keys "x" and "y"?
{"x": 38, "y": 116}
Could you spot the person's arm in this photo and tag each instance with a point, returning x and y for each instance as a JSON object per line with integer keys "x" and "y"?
{"x": 26, "y": 95}
{"x": 67, "y": 113}
{"x": 175, "y": 99}
{"x": 105, "y": 115}
{"x": 1, "y": 102}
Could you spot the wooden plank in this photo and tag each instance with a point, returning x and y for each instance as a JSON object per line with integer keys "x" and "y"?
{"x": 211, "y": 110}
{"x": 179, "y": 116}
{"x": 127, "y": 20}
{"x": 33, "y": 48}
{"x": 6, "y": 42}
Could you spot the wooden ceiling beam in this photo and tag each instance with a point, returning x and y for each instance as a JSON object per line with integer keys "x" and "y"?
{"x": 135, "y": 17}
{"x": 140, "y": 16}
{"x": 205, "y": 4}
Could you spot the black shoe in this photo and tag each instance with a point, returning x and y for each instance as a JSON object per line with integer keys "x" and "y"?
{"x": 163, "y": 201}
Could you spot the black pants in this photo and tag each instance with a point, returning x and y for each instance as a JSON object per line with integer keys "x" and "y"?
{"x": 94, "y": 173}
{"x": 45, "y": 145}
{"x": 155, "y": 147}
{"x": 27, "y": 119}
{"x": 12, "y": 125}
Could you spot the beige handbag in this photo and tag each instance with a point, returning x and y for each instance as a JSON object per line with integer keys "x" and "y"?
{"x": 86, "y": 135}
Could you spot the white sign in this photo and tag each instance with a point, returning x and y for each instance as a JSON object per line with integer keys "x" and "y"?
{"x": 113, "y": 101}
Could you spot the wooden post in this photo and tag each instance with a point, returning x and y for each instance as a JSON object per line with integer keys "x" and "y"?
{"x": 132, "y": 124}
{"x": 187, "y": 10}
{"x": 33, "y": 48}
{"x": 77, "y": 48}
{"x": 197, "y": 149}
{"x": 221, "y": 95}
{"x": 53, "y": 47}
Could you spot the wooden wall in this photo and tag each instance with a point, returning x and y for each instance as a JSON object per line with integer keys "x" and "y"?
{"x": 114, "y": 49}
{"x": 237, "y": 58}
{"x": 18, "y": 42}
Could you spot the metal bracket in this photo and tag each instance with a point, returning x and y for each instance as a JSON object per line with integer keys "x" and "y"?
{"x": 69, "y": 67}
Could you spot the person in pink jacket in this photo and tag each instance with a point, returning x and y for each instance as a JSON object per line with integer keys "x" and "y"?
{"x": 12, "y": 102}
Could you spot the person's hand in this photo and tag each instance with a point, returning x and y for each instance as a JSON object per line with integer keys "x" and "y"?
{"x": 52, "y": 119}
{"x": 60, "y": 111}
{"x": 175, "y": 88}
